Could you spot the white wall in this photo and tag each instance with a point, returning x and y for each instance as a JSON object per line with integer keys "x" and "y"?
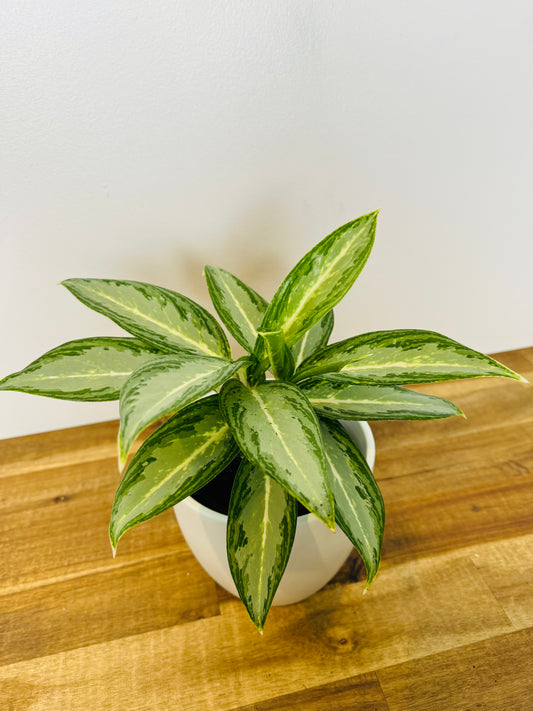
{"x": 141, "y": 140}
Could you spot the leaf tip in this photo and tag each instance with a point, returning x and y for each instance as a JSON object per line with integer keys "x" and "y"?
{"x": 114, "y": 543}
{"x": 330, "y": 523}
{"x": 122, "y": 459}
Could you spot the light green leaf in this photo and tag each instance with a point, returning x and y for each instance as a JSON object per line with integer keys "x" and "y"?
{"x": 260, "y": 534}
{"x": 179, "y": 458}
{"x": 279, "y": 355}
{"x": 154, "y": 314}
{"x": 342, "y": 399}
{"x": 277, "y": 431}
{"x": 320, "y": 279}
{"x": 401, "y": 357}
{"x": 359, "y": 508}
{"x": 90, "y": 369}
{"x": 317, "y": 337}
{"x": 165, "y": 386}
{"x": 238, "y": 305}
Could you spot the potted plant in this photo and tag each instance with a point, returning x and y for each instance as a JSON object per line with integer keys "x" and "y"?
{"x": 275, "y": 442}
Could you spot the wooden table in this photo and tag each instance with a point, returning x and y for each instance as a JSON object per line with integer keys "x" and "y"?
{"x": 447, "y": 624}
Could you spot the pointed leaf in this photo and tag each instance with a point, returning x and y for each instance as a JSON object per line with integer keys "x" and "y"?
{"x": 342, "y": 399}
{"x": 277, "y": 430}
{"x": 260, "y": 534}
{"x": 279, "y": 355}
{"x": 240, "y": 308}
{"x": 317, "y": 337}
{"x": 154, "y": 314}
{"x": 359, "y": 508}
{"x": 401, "y": 357}
{"x": 164, "y": 386}
{"x": 89, "y": 369}
{"x": 175, "y": 461}
{"x": 320, "y": 279}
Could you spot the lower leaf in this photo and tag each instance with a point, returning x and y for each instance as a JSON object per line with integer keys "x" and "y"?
{"x": 359, "y": 508}
{"x": 260, "y": 534}
{"x": 179, "y": 458}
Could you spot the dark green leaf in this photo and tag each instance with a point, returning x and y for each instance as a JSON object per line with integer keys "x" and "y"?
{"x": 279, "y": 355}
{"x": 359, "y": 509}
{"x": 261, "y": 528}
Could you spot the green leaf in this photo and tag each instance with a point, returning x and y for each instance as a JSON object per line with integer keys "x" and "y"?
{"x": 279, "y": 355}
{"x": 154, "y": 314}
{"x": 320, "y": 279}
{"x": 401, "y": 357}
{"x": 317, "y": 337}
{"x": 342, "y": 399}
{"x": 164, "y": 386}
{"x": 359, "y": 508}
{"x": 175, "y": 461}
{"x": 278, "y": 431}
{"x": 240, "y": 308}
{"x": 90, "y": 369}
{"x": 260, "y": 534}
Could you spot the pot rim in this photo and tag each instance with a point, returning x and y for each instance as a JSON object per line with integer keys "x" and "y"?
{"x": 370, "y": 456}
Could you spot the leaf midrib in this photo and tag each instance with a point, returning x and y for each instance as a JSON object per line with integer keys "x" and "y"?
{"x": 336, "y": 401}
{"x": 288, "y": 323}
{"x": 409, "y": 364}
{"x": 85, "y": 375}
{"x": 264, "y": 535}
{"x": 241, "y": 310}
{"x": 278, "y": 433}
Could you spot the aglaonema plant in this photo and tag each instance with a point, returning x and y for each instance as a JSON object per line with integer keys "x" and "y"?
{"x": 177, "y": 365}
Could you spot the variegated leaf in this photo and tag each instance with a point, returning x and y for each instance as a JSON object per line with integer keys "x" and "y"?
{"x": 359, "y": 508}
{"x": 90, "y": 369}
{"x": 320, "y": 279}
{"x": 342, "y": 399}
{"x": 165, "y": 386}
{"x": 279, "y": 355}
{"x": 260, "y": 534}
{"x": 179, "y": 458}
{"x": 240, "y": 308}
{"x": 401, "y": 357}
{"x": 317, "y": 337}
{"x": 277, "y": 431}
{"x": 154, "y": 314}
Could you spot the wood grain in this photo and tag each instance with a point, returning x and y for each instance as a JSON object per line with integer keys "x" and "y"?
{"x": 447, "y": 624}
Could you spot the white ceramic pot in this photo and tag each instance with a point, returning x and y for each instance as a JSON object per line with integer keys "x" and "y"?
{"x": 316, "y": 556}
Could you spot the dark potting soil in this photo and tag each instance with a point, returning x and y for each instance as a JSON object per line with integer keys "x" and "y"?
{"x": 216, "y": 494}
